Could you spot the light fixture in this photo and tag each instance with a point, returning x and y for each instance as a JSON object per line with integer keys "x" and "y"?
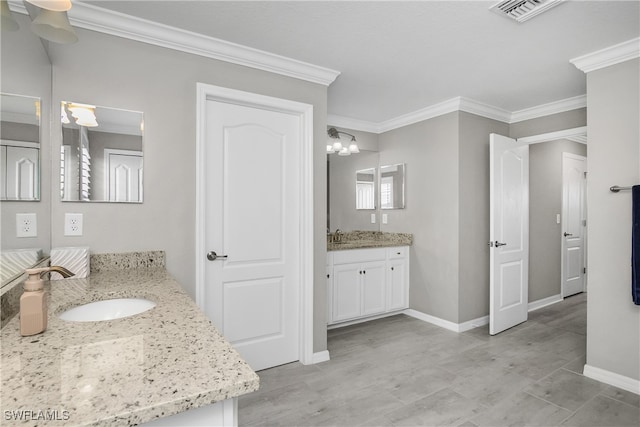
{"x": 344, "y": 152}
{"x": 53, "y": 5}
{"x": 8, "y": 22}
{"x": 64, "y": 118}
{"x": 334, "y": 144}
{"x": 84, "y": 114}
{"x": 54, "y": 26}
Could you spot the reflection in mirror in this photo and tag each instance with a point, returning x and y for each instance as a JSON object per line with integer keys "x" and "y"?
{"x": 20, "y": 145}
{"x": 26, "y": 80}
{"x": 101, "y": 156}
{"x": 392, "y": 186}
{"x": 366, "y": 189}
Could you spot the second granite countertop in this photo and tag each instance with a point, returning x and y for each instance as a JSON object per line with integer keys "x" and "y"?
{"x": 124, "y": 371}
{"x": 370, "y": 239}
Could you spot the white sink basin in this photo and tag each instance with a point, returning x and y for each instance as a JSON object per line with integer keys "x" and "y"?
{"x": 107, "y": 310}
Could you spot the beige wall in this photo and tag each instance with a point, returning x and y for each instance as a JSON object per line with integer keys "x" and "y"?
{"x": 613, "y": 321}
{"x": 554, "y": 122}
{"x": 114, "y": 72}
{"x": 430, "y": 151}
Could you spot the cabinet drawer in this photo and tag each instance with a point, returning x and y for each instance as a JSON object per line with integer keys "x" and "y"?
{"x": 398, "y": 252}
{"x": 358, "y": 255}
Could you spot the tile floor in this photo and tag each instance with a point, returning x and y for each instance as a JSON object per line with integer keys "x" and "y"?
{"x": 400, "y": 371}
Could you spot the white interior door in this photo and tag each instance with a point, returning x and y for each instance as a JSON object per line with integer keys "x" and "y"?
{"x": 124, "y": 175}
{"x": 253, "y": 219}
{"x": 509, "y": 233}
{"x": 574, "y": 168}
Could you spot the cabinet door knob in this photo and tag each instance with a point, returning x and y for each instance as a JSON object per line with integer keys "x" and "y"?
{"x": 391, "y": 268}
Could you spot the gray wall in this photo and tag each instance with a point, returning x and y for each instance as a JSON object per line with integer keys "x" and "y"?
{"x": 554, "y": 122}
{"x": 162, "y": 84}
{"x": 25, "y": 70}
{"x": 473, "y": 164}
{"x": 545, "y": 202}
{"x": 613, "y": 321}
{"x": 430, "y": 151}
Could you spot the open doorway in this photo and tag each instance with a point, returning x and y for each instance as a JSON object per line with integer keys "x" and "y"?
{"x": 542, "y": 230}
{"x": 546, "y": 220}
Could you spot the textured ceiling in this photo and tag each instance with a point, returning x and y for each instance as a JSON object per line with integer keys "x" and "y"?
{"x": 396, "y": 57}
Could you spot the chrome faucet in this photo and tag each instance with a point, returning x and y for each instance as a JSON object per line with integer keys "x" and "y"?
{"x": 42, "y": 270}
{"x": 63, "y": 271}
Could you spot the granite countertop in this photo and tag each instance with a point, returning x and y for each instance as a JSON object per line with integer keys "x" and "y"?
{"x": 369, "y": 239}
{"x": 119, "y": 372}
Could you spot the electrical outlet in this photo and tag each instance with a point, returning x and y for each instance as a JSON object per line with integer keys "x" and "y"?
{"x": 385, "y": 218}
{"x": 26, "y": 225}
{"x": 73, "y": 224}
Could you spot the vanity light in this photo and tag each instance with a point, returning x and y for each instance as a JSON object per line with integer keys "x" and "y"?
{"x": 344, "y": 152}
{"x": 53, "y": 5}
{"x": 84, "y": 114}
{"x": 54, "y": 26}
{"x": 8, "y": 22}
{"x": 64, "y": 118}
{"x": 334, "y": 145}
{"x": 353, "y": 147}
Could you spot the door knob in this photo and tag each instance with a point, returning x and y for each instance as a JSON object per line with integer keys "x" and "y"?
{"x": 567, "y": 234}
{"x": 498, "y": 244}
{"x": 212, "y": 256}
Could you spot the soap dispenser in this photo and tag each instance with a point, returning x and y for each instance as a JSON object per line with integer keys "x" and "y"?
{"x": 33, "y": 303}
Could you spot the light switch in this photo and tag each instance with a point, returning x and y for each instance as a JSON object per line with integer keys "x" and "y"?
{"x": 385, "y": 218}
{"x": 373, "y": 218}
{"x": 557, "y": 218}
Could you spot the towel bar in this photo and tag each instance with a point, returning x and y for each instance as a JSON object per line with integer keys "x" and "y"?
{"x": 617, "y": 188}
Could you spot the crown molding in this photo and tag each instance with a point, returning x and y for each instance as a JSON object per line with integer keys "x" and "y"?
{"x": 353, "y": 124}
{"x": 549, "y": 108}
{"x": 426, "y": 113}
{"x": 578, "y": 134}
{"x": 608, "y": 56}
{"x": 485, "y": 110}
{"x": 94, "y": 18}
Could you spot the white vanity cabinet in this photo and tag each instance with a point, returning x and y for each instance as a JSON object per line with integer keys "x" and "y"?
{"x": 363, "y": 283}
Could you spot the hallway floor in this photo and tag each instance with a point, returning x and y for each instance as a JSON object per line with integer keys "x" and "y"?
{"x": 400, "y": 371}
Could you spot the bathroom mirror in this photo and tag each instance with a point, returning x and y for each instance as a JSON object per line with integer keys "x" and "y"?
{"x": 392, "y": 186}
{"x": 20, "y": 147}
{"x": 101, "y": 157}
{"x": 346, "y": 175}
{"x": 25, "y": 103}
{"x": 366, "y": 189}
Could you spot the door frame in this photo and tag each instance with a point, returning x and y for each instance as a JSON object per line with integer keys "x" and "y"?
{"x": 578, "y": 134}
{"x": 206, "y": 92}
{"x": 563, "y": 241}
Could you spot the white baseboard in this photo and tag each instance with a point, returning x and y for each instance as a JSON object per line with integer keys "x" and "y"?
{"x": 612, "y": 378}
{"x": 480, "y": 321}
{"x": 364, "y": 319}
{"x": 455, "y": 327}
{"x": 321, "y": 356}
{"x": 472, "y": 324}
{"x": 536, "y": 305}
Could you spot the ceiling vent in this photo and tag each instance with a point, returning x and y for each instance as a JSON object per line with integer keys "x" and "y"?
{"x": 522, "y": 10}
